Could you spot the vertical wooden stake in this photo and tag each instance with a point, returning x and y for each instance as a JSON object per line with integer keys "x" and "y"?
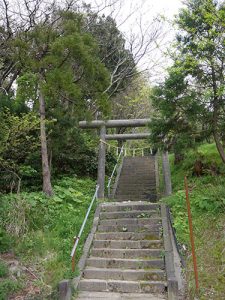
{"x": 191, "y": 234}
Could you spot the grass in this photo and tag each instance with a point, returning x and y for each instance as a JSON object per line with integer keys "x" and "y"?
{"x": 207, "y": 196}
{"x": 40, "y": 230}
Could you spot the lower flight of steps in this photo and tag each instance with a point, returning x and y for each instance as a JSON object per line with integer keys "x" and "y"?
{"x": 127, "y": 251}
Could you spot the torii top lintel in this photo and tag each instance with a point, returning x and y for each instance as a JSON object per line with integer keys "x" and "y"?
{"x": 114, "y": 123}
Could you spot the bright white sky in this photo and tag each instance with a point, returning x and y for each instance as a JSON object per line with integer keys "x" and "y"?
{"x": 128, "y": 14}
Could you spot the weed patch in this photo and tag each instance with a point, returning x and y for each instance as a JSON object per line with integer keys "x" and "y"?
{"x": 42, "y": 228}
{"x": 207, "y": 197}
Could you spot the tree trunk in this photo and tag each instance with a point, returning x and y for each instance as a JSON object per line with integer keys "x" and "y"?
{"x": 178, "y": 157}
{"x": 219, "y": 145}
{"x": 215, "y": 117}
{"x": 47, "y": 186}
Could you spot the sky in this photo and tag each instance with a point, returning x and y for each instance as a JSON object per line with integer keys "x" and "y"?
{"x": 136, "y": 16}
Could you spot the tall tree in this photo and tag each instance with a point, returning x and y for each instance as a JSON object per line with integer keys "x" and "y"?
{"x": 176, "y": 122}
{"x": 59, "y": 66}
{"x": 201, "y": 43}
{"x": 190, "y": 102}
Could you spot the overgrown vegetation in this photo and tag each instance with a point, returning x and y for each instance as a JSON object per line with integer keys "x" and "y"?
{"x": 207, "y": 196}
{"x": 39, "y": 231}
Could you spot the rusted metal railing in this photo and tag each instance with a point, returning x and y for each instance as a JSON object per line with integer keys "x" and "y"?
{"x": 114, "y": 170}
{"x": 77, "y": 238}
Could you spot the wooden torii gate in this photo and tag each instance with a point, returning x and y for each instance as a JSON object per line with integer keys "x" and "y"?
{"x": 103, "y": 125}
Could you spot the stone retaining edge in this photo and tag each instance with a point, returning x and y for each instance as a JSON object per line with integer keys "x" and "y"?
{"x": 172, "y": 282}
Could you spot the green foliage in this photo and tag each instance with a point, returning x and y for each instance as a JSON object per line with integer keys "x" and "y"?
{"x": 3, "y": 270}
{"x": 7, "y": 287}
{"x": 19, "y": 141}
{"x": 207, "y": 207}
{"x": 43, "y": 228}
{"x": 189, "y": 103}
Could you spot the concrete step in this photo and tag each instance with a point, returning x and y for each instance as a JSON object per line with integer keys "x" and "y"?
{"x": 129, "y": 214}
{"x": 137, "y": 170}
{"x": 132, "y": 221}
{"x": 134, "y": 194}
{"x": 126, "y": 253}
{"x": 122, "y": 286}
{"x": 128, "y": 206}
{"x": 136, "y": 185}
{"x": 98, "y": 262}
{"x": 137, "y": 192}
{"x": 130, "y": 228}
{"x": 128, "y": 244}
{"x": 121, "y": 274}
{"x": 137, "y": 179}
{"x": 131, "y": 173}
{"x": 133, "y": 236}
{"x": 83, "y": 295}
{"x": 131, "y": 198}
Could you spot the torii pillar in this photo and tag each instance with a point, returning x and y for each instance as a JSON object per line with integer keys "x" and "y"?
{"x": 103, "y": 125}
{"x": 101, "y": 162}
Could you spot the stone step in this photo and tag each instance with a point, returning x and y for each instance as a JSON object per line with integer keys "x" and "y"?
{"x": 137, "y": 186}
{"x": 139, "y": 191}
{"x": 98, "y": 262}
{"x": 123, "y": 274}
{"x": 132, "y": 221}
{"x": 126, "y": 253}
{"x": 83, "y": 295}
{"x": 139, "y": 169}
{"x": 122, "y": 286}
{"x": 131, "y": 198}
{"x": 129, "y": 214}
{"x": 131, "y": 173}
{"x": 129, "y": 228}
{"x": 142, "y": 178}
{"x": 133, "y": 236}
{"x": 128, "y": 206}
{"x": 128, "y": 244}
{"x": 134, "y": 194}
{"x": 138, "y": 166}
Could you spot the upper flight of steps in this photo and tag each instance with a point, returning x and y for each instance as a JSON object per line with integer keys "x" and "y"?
{"x": 126, "y": 258}
{"x": 137, "y": 179}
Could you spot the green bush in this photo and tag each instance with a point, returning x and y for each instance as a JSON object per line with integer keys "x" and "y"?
{"x": 207, "y": 199}
{"x": 43, "y": 227}
{"x": 7, "y": 287}
{"x": 3, "y": 270}
{"x": 6, "y": 241}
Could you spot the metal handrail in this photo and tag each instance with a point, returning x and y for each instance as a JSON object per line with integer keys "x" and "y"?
{"x": 114, "y": 170}
{"x": 77, "y": 238}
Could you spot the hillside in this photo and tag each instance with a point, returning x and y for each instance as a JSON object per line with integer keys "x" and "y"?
{"x": 207, "y": 196}
{"x": 35, "y": 249}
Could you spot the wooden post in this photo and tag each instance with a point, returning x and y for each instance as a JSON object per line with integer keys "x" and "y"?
{"x": 101, "y": 163}
{"x": 191, "y": 233}
{"x": 166, "y": 173}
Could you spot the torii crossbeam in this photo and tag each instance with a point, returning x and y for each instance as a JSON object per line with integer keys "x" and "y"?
{"x": 103, "y": 125}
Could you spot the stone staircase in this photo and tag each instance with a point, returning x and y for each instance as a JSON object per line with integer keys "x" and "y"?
{"x": 137, "y": 180}
{"x": 126, "y": 259}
